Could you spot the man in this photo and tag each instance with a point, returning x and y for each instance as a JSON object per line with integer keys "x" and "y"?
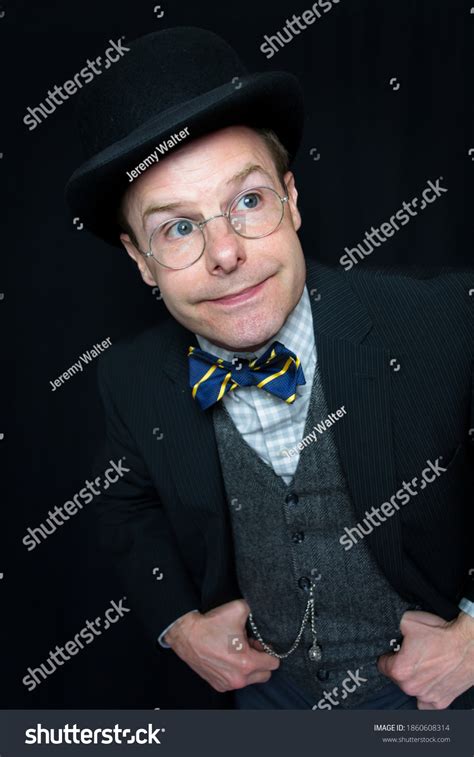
{"x": 295, "y": 438}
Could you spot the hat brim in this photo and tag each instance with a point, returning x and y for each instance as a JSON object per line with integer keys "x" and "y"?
{"x": 271, "y": 100}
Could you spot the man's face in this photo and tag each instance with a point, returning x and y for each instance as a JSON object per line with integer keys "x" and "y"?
{"x": 241, "y": 291}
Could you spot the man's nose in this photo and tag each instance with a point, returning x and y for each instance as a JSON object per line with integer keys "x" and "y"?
{"x": 224, "y": 248}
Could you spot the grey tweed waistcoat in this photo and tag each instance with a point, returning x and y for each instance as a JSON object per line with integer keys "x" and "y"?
{"x": 288, "y": 535}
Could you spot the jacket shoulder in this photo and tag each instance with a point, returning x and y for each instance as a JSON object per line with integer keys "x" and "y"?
{"x": 423, "y": 306}
{"x": 404, "y": 292}
{"x": 411, "y": 276}
{"x": 137, "y": 355}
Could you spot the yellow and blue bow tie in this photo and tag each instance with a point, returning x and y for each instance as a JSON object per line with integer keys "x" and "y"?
{"x": 277, "y": 371}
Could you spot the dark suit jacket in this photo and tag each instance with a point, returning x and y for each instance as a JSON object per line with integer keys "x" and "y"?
{"x": 170, "y": 511}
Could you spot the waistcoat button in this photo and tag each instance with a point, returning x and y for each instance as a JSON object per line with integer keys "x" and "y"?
{"x": 291, "y": 499}
{"x": 297, "y": 537}
{"x": 304, "y": 583}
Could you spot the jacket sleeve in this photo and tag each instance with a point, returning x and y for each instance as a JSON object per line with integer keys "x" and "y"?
{"x": 135, "y": 531}
{"x": 161, "y": 639}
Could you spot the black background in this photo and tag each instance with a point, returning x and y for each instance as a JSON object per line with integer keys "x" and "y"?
{"x": 65, "y": 290}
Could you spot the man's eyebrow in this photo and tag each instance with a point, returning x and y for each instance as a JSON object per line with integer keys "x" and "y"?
{"x": 159, "y": 209}
{"x": 247, "y": 170}
{"x": 250, "y": 168}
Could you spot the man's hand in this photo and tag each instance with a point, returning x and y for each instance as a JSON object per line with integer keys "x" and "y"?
{"x": 436, "y": 660}
{"x": 205, "y": 643}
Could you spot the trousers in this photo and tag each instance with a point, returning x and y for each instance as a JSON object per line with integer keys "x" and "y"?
{"x": 279, "y": 693}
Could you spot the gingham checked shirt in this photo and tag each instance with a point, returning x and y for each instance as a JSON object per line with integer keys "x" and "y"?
{"x": 268, "y": 424}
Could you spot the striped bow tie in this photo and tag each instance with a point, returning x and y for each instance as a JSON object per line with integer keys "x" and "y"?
{"x": 277, "y": 371}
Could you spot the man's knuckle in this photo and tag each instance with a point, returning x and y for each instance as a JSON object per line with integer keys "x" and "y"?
{"x": 405, "y": 622}
{"x": 400, "y": 672}
{"x": 246, "y": 664}
{"x": 242, "y": 608}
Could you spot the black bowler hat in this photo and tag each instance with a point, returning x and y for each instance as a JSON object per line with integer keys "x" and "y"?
{"x": 169, "y": 80}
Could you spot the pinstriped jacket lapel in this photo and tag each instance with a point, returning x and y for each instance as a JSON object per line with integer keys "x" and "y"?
{"x": 358, "y": 377}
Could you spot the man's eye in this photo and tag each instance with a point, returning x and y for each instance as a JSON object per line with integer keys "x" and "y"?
{"x": 179, "y": 229}
{"x": 249, "y": 201}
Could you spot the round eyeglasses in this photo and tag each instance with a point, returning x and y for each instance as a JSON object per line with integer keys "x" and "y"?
{"x": 179, "y": 242}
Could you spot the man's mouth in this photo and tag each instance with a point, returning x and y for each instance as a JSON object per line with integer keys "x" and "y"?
{"x": 242, "y": 296}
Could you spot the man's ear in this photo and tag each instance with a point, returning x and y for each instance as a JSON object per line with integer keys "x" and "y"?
{"x": 138, "y": 258}
{"x": 292, "y": 193}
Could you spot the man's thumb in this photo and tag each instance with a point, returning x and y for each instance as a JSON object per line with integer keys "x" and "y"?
{"x": 385, "y": 664}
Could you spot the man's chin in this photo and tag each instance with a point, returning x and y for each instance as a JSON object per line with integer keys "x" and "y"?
{"x": 246, "y": 332}
{"x": 241, "y": 342}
